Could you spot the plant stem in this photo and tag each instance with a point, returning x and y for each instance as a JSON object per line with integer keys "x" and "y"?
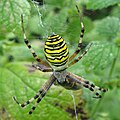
{"x": 113, "y": 64}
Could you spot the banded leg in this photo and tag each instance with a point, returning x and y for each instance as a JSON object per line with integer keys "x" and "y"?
{"x": 42, "y": 68}
{"x": 97, "y": 90}
{"x": 45, "y": 88}
{"x": 30, "y": 100}
{"x": 29, "y": 45}
{"x": 94, "y": 89}
{"x": 76, "y": 60}
{"x": 81, "y": 36}
{"x": 42, "y": 92}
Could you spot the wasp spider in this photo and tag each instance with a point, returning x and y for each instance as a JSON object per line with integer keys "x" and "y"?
{"x": 58, "y": 60}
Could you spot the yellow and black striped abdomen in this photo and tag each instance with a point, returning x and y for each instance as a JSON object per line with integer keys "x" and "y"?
{"x": 56, "y": 52}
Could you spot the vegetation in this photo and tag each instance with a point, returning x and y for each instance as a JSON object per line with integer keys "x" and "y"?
{"x": 101, "y": 64}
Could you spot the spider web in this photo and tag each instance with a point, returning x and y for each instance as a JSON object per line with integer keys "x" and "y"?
{"x": 36, "y": 5}
{"x": 72, "y": 94}
{"x": 40, "y": 23}
{"x": 43, "y": 25}
{"x": 52, "y": 17}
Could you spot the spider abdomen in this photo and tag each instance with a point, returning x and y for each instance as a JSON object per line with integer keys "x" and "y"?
{"x": 56, "y": 52}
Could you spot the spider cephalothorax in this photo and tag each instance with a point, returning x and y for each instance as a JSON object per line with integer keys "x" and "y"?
{"x": 58, "y": 60}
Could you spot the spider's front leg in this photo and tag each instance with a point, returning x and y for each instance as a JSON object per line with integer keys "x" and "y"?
{"x": 79, "y": 81}
{"x": 81, "y": 36}
{"x": 42, "y": 92}
{"x": 80, "y": 57}
{"x": 29, "y": 45}
{"x": 79, "y": 44}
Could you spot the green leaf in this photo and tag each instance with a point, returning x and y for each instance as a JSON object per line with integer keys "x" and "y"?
{"x": 100, "y": 56}
{"x": 58, "y": 3}
{"x": 99, "y": 4}
{"x": 25, "y": 54}
{"x": 109, "y": 27}
{"x": 115, "y": 11}
{"x": 10, "y": 12}
{"x": 16, "y": 79}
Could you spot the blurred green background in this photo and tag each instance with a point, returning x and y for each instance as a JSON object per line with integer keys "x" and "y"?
{"x": 101, "y": 65}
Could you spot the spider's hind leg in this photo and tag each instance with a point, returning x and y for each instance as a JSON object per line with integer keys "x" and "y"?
{"x": 79, "y": 81}
{"x": 97, "y": 90}
{"x": 39, "y": 96}
{"x": 29, "y": 45}
{"x": 29, "y": 101}
{"x": 45, "y": 88}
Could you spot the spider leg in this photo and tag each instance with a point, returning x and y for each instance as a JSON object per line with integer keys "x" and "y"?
{"x": 29, "y": 45}
{"x": 94, "y": 89}
{"x": 37, "y": 102}
{"x": 42, "y": 68}
{"x": 45, "y": 88}
{"x": 42, "y": 92}
{"x": 77, "y": 59}
{"x": 30, "y": 100}
{"x": 81, "y": 36}
{"x": 85, "y": 83}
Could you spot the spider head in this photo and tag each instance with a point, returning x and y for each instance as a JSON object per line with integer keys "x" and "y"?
{"x": 60, "y": 76}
